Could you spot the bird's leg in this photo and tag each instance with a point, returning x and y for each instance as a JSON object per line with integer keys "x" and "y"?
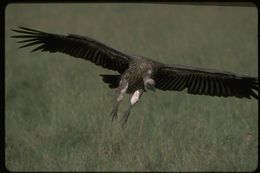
{"x": 134, "y": 99}
{"x": 119, "y": 96}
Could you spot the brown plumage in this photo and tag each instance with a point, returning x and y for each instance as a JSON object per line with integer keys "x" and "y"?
{"x": 138, "y": 74}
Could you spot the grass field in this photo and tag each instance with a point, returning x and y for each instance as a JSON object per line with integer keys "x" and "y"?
{"x": 57, "y": 107}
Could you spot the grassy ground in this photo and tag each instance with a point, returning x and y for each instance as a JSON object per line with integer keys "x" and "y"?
{"x": 57, "y": 107}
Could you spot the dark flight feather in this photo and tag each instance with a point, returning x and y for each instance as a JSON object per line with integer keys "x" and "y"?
{"x": 206, "y": 81}
{"x": 77, "y": 46}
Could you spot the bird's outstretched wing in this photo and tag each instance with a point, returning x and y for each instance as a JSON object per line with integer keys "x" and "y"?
{"x": 74, "y": 45}
{"x": 205, "y": 81}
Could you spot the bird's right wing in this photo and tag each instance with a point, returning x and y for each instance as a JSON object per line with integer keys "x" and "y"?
{"x": 205, "y": 81}
{"x": 77, "y": 46}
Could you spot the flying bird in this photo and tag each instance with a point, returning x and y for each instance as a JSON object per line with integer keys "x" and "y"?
{"x": 139, "y": 74}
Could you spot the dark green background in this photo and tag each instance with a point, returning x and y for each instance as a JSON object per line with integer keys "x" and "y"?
{"x": 57, "y": 107}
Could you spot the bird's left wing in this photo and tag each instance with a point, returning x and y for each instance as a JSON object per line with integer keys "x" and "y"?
{"x": 77, "y": 46}
{"x": 205, "y": 81}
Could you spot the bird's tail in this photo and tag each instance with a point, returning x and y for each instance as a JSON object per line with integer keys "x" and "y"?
{"x": 254, "y": 86}
{"x": 112, "y": 80}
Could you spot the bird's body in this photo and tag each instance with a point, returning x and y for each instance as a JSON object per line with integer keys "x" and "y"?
{"x": 138, "y": 74}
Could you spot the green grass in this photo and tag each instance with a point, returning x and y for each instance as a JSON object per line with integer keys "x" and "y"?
{"x": 57, "y": 107}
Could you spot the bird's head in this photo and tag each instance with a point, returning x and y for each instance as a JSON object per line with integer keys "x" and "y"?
{"x": 149, "y": 84}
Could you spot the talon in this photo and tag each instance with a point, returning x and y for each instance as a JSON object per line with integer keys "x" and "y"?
{"x": 125, "y": 116}
{"x": 113, "y": 113}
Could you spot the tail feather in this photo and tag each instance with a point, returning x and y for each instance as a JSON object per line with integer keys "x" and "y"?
{"x": 254, "y": 87}
{"x": 112, "y": 80}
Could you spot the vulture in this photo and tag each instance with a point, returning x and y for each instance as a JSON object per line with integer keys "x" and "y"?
{"x": 139, "y": 74}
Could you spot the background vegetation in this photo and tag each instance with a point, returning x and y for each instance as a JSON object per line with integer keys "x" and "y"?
{"x": 57, "y": 107}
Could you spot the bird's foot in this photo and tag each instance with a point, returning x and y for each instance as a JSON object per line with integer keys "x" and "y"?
{"x": 125, "y": 116}
{"x": 113, "y": 113}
